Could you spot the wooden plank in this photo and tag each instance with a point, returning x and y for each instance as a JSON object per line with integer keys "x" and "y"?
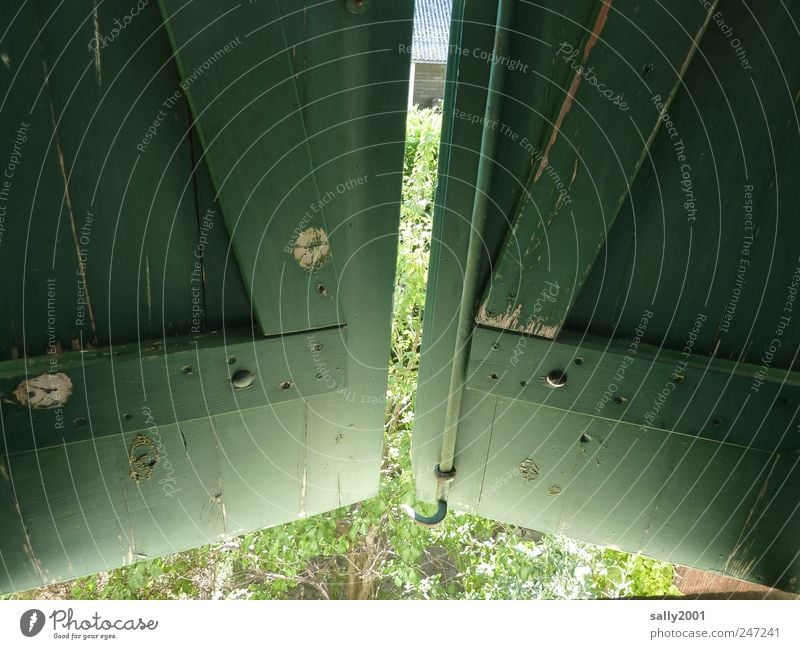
{"x": 686, "y": 500}
{"x": 182, "y": 504}
{"x": 262, "y": 459}
{"x": 224, "y": 298}
{"x": 126, "y": 160}
{"x": 18, "y": 565}
{"x": 38, "y": 260}
{"x": 537, "y": 80}
{"x": 116, "y": 235}
{"x": 737, "y": 264}
{"x": 648, "y": 387}
{"x": 599, "y": 136}
{"x": 71, "y": 505}
{"x": 343, "y": 459}
{"x": 81, "y": 511}
{"x": 190, "y": 380}
{"x": 288, "y": 85}
{"x": 216, "y": 460}
{"x": 699, "y": 584}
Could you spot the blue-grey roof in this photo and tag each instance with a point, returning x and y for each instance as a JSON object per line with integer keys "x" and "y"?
{"x": 431, "y": 30}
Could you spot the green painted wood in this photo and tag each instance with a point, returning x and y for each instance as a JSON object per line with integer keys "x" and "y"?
{"x": 341, "y": 461}
{"x": 38, "y": 264}
{"x": 539, "y": 80}
{"x": 224, "y": 298}
{"x": 183, "y": 504}
{"x": 597, "y": 141}
{"x": 171, "y": 322}
{"x": 661, "y": 494}
{"x": 737, "y": 263}
{"x": 71, "y": 504}
{"x": 191, "y": 379}
{"x": 650, "y": 387}
{"x": 696, "y": 462}
{"x": 262, "y": 465}
{"x": 215, "y": 478}
{"x": 114, "y": 227}
{"x": 19, "y": 566}
{"x": 291, "y": 103}
{"x": 242, "y": 93}
{"x": 130, "y": 210}
{"x": 474, "y": 435}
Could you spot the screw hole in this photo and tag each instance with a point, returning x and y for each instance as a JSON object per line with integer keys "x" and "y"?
{"x": 556, "y": 378}
{"x": 321, "y": 289}
{"x": 316, "y": 348}
{"x": 717, "y": 422}
{"x": 127, "y": 416}
{"x": 523, "y": 383}
{"x": 579, "y": 361}
{"x": 647, "y": 69}
{"x": 231, "y": 360}
{"x": 187, "y": 369}
{"x": 79, "y": 421}
{"x": 585, "y": 439}
{"x": 619, "y": 399}
{"x": 493, "y": 376}
{"x": 495, "y": 346}
{"x": 285, "y": 385}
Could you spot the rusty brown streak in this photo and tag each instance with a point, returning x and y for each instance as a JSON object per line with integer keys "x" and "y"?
{"x": 599, "y": 24}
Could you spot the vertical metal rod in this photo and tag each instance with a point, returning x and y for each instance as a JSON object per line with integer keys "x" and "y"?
{"x": 478, "y": 221}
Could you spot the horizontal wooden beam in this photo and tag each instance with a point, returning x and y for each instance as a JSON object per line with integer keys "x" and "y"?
{"x": 630, "y": 382}
{"x": 77, "y": 396}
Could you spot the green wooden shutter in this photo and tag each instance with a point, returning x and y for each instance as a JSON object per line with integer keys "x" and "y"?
{"x": 196, "y": 198}
{"x": 631, "y": 377}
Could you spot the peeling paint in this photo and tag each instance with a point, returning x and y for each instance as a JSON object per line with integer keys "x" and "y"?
{"x": 743, "y": 557}
{"x": 35, "y": 563}
{"x": 68, "y": 202}
{"x": 44, "y": 391}
{"x": 148, "y": 290}
{"x": 599, "y": 24}
{"x": 304, "y": 485}
{"x": 142, "y": 456}
{"x": 507, "y": 320}
{"x": 574, "y": 174}
{"x": 312, "y": 249}
{"x": 510, "y": 320}
{"x": 529, "y": 470}
{"x": 97, "y": 68}
{"x": 131, "y": 551}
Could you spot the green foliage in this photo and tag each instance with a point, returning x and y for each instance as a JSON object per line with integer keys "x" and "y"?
{"x": 372, "y": 549}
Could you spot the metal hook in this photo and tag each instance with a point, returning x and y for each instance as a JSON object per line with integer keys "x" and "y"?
{"x": 427, "y": 521}
{"x": 443, "y": 478}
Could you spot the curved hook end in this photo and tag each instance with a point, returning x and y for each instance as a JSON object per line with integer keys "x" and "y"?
{"x": 427, "y": 521}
